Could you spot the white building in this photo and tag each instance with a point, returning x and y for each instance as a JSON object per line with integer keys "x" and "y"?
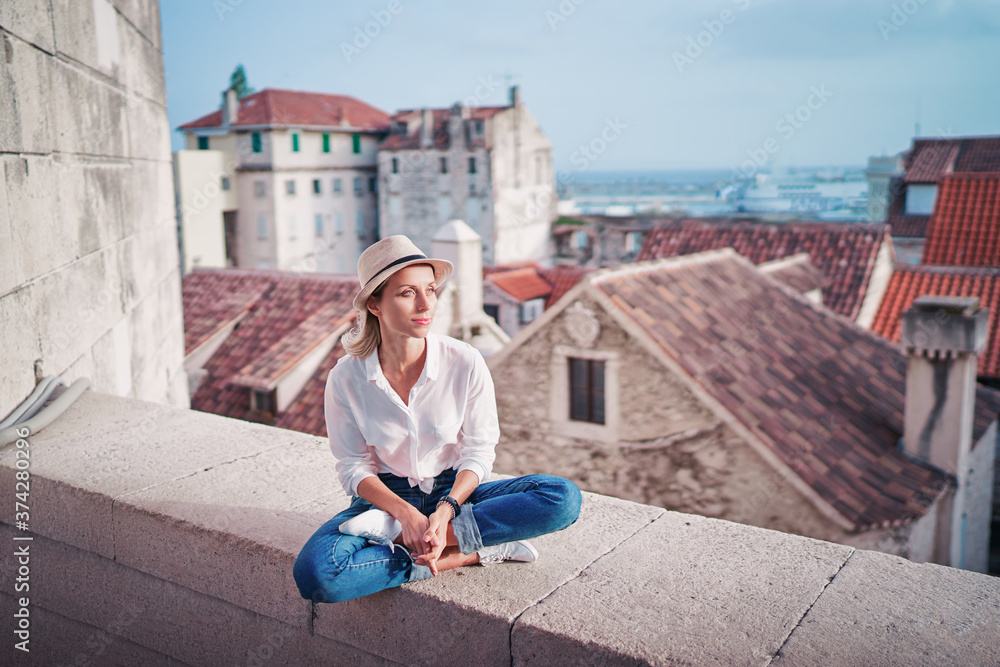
{"x": 302, "y": 182}
{"x": 881, "y": 170}
{"x": 489, "y": 166}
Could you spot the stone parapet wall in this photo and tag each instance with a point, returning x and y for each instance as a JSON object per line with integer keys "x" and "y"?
{"x": 167, "y": 536}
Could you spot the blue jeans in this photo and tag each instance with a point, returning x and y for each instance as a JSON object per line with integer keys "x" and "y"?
{"x": 333, "y": 567}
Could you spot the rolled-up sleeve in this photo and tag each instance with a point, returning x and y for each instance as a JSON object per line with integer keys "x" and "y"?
{"x": 355, "y": 460}
{"x": 481, "y": 427}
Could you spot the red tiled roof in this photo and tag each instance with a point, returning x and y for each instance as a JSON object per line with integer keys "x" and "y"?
{"x": 825, "y": 396}
{"x": 844, "y": 253}
{"x": 294, "y": 108}
{"x": 306, "y": 414}
{"x": 965, "y": 226}
{"x": 797, "y": 272}
{"x": 900, "y": 223}
{"x": 207, "y": 309}
{"x": 562, "y": 279}
{"x": 284, "y": 301}
{"x": 908, "y": 282}
{"x": 441, "y": 139}
{"x": 521, "y": 284}
{"x": 929, "y": 159}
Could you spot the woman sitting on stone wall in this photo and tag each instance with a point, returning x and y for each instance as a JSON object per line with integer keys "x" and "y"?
{"x": 412, "y": 420}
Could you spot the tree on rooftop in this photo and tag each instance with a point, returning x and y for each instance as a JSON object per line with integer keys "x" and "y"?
{"x": 238, "y": 82}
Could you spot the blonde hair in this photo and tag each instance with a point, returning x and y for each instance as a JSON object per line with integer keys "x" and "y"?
{"x": 366, "y": 335}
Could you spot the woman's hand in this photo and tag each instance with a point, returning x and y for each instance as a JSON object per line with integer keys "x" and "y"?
{"x": 435, "y": 538}
{"x": 415, "y": 526}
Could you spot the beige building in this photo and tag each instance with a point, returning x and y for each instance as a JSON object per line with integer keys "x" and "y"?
{"x": 302, "y": 182}
{"x": 489, "y": 166}
{"x": 704, "y": 385}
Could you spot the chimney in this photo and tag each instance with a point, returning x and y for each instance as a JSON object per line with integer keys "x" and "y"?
{"x": 230, "y": 107}
{"x": 515, "y": 96}
{"x": 942, "y": 337}
{"x": 462, "y": 246}
{"x": 456, "y": 124}
{"x": 427, "y": 128}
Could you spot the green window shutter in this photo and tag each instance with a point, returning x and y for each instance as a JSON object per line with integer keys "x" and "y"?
{"x": 295, "y": 142}
{"x": 326, "y": 142}
{"x": 203, "y": 143}
{"x": 256, "y": 142}
{"x": 356, "y": 139}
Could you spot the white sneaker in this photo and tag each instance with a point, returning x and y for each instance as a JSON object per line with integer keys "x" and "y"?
{"x": 375, "y": 525}
{"x": 521, "y": 551}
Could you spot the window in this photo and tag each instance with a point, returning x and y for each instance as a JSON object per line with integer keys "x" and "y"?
{"x": 472, "y": 165}
{"x": 290, "y": 187}
{"x": 395, "y": 165}
{"x": 295, "y": 142}
{"x": 316, "y": 186}
{"x": 255, "y": 142}
{"x": 293, "y": 229}
{"x": 586, "y": 390}
{"x": 260, "y": 189}
{"x": 493, "y": 311}
{"x": 225, "y": 183}
{"x": 359, "y": 224}
{"x": 338, "y": 222}
{"x": 319, "y": 224}
{"x": 326, "y": 142}
{"x": 262, "y": 226}
{"x": 372, "y": 184}
{"x": 920, "y": 199}
{"x": 358, "y": 186}
{"x": 356, "y": 142}
{"x": 263, "y": 401}
{"x": 203, "y": 143}
{"x": 336, "y": 186}
{"x": 444, "y": 165}
{"x": 530, "y": 310}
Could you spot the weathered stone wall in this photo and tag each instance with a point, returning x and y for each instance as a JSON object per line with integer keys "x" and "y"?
{"x": 89, "y": 269}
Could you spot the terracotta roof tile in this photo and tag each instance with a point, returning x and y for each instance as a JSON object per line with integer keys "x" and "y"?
{"x": 521, "y": 284}
{"x": 965, "y": 226}
{"x": 824, "y": 395}
{"x": 294, "y": 108}
{"x": 930, "y": 159}
{"x": 269, "y": 335}
{"x": 306, "y": 414}
{"x": 844, "y": 253}
{"x": 796, "y": 271}
{"x": 562, "y": 279}
{"x": 900, "y": 223}
{"x": 909, "y": 282}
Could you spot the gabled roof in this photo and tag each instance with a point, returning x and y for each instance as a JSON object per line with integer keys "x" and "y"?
{"x": 822, "y": 397}
{"x": 900, "y": 223}
{"x": 294, "y": 108}
{"x": 521, "y": 284}
{"x": 290, "y": 315}
{"x": 965, "y": 226}
{"x": 931, "y": 159}
{"x": 441, "y": 139}
{"x": 909, "y": 281}
{"x": 845, "y": 253}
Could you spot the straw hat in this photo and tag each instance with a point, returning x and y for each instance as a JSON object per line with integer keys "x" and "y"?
{"x": 384, "y": 258}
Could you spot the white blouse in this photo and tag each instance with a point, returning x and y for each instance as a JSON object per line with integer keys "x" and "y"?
{"x": 450, "y": 420}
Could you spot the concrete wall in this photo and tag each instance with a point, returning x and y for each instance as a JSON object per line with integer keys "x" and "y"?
{"x": 177, "y": 553}
{"x": 666, "y": 449}
{"x": 89, "y": 275}
{"x": 878, "y": 282}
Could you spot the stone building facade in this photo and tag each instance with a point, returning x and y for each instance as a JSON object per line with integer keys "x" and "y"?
{"x": 738, "y": 428}
{"x": 89, "y": 280}
{"x": 488, "y": 166}
{"x": 302, "y": 167}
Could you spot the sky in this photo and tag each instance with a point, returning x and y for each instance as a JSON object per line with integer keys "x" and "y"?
{"x": 637, "y": 85}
